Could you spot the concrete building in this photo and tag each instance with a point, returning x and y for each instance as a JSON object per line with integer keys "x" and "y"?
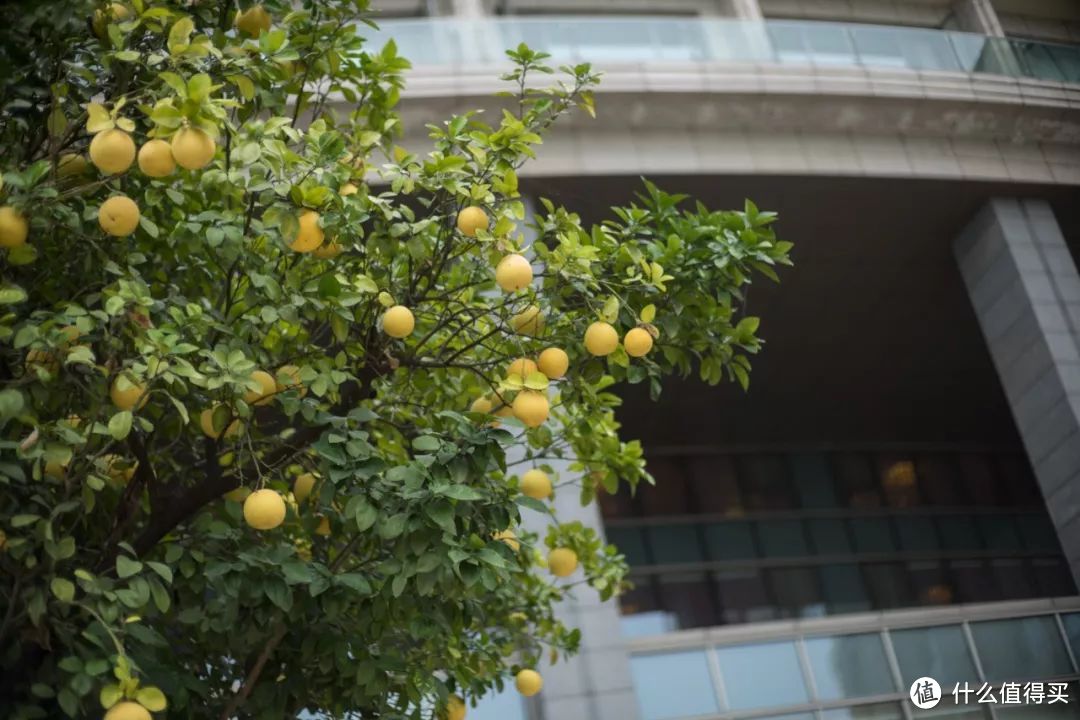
{"x": 898, "y": 494}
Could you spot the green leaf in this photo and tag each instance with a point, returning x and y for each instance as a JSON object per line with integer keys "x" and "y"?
{"x": 461, "y": 492}
{"x": 180, "y": 34}
{"x": 12, "y": 295}
{"x": 161, "y": 569}
{"x": 120, "y": 424}
{"x": 278, "y": 592}
{"x": 393, "y": 526}
{"x": 110, "y": 695}
{"x": 63, "y": 589}
{"x": 151, "y": 698}
{"x": 354, "y": 581}
{"x": 126, "y": 567}
{"x": 426, "y": 443}
{"x": 648, "y": 313}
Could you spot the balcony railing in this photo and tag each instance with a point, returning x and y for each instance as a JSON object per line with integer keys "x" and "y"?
{"x": 606, "y": 41}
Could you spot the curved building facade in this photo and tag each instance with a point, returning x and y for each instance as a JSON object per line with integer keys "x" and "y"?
{"x": 897, "y": 496}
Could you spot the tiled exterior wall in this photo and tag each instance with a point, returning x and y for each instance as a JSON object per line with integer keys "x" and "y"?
{"x": 1025, "y": 290}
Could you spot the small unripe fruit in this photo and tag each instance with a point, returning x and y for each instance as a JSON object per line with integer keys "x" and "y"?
{"x": 398, "y": 322}
{"x": 348, "y": 189}
{"x": 118, "y": 216}
{"x": 264, "y": 509}
{"x": 288, "y": 378}
{"x": 531, "y": 408}
{"x": 267, "y": 387}
{"x": 638, "y": 342}
{"x": 529, "y": 321}
{"x": 601, "y": 339}
{"x": 193, "y": 148}
{"x": 553, "y": 362}
{"x": 156, "y": 160}
{"x": 309, "y": 235}
{"x": 562, "y": 562}
{"x": 471, "y": 219}
{"x": 528, "y": 682}
{"x": 71, "y": 165}
{"x": 126, "y": 398}
{"x": 253, "y": 21}
{"x": 536, "y": 484}
{"x": 206, "y": 422}
{"x": 13, "y": 227}
{"x": 480, "y": 405}
{"x": 328, "y": 251}
{"x": 522, "y": 367}
{"x": 513, "y": 273}
{"x": 239, "y": 494}
{"x": 302, "y": 486}
{"x": 112, "y": 151}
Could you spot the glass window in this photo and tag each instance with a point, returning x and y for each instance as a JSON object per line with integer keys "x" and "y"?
{"x": 1072, "y": 631}
{"x": 757, "y": 676}
{"x": 888, "y": 585}
{"x": 688, "y": 598}
{"x": 796, "y": 591}
{"x": 938, "y": 652}
{"x": 1000, "y": 532}
{"x": 715, "y": 484}
{"x": 899, "y": 483}
{"x": 743, "y": 597}
{"x": 675, "y": 544}
{"x": 958, "y": 532}
{"x": 1037, "y": 532}
{"x": 843, "y": 588}
{"x": 669, "y": 495}
{"x": 619, "y": 505}
{"x": 505, "y": 705}
{"x": 673, "y": 685}
{"x": 872, "y": 535}
{"x": 952, "y": 711}
{"x": 782, "y": 538}
{"x": 1019, "y": 649}
{"x": 640, "y": 610}
{"x": 1052, "y": 577}
{"x": 1013, "y": 580}
{"x": 849, "y": 666}
{"x": 973, "y": 581}
{"x": 729, "y": 540}
{"x": 631, "y": 543}
{"x": 917, "y": 533}
{"x": 1019, "y": 480}
{"x": 829, "y": 537}
{"x": 938, "y": 475}
{"x": 980, "y": 480}
{"x": 765, "y": 483}
{"x": 929, "y": 583}
{"x": 856, "y": 482}
{"x": 876, "y": 711}
{"x": 813, "y": 480}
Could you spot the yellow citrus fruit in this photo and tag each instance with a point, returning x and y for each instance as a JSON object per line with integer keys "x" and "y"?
{"x": 43, "y": 359}
{"x": 112, "y": 151}
{"x": 536, "y": 484}
{"x": 128, "y": 711}
{"x": 455, "y": 708}
{"x": 156, "y": 160}
{"x": 309, "y": 236}
{"x": 193, "y": 148}
{"x": 118, "y": 216}
{"x": 348, "y": 189}
{"x": 553, "y": 362}
{"x": 601, "y": 339}
{"x": 132, "y": 393}
{"x": 328, "y": 251}
{"x": 253, "y": 21}
{"x": 71, "y": 165}
{"x": 291, "y": 376}
{"x": 267, "y": 387}
{"x": 398, "y": 321}
{"x": 480, "y": 405}
{"x": 562, "y": 562}
{"x": 510, "y": 538}
{"x": 302, "y": 486}
{"x": 206, "y": 422}
{"x": 56, "y": 469}
{"x": 513, "y": 273}
{"x": 522, "y": 367}
{"x": 323, "y": 527}
{"x": 13, "y": 227}
{"x": 118, "y": 469}
{"x": 264, "y": 509}
{"x": 529, "y": 321}
{"x": 239, "y": 494}
{"x": 531, "y": 408}
{"x": 528, "y": 682}
{"x": 502, "y": 407}
{"x": 114, "y": 12}
{"x": 471, "y": 219}
{"x": 70, "y": 333}
{"x": 638, "y": 342}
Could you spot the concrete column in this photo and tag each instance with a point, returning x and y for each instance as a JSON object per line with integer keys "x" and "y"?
{"x": 595, "y": 684}
{"x": 468, "y": 8}
{"x": 746, "y": 9}
{"x": 1025, "y": 289}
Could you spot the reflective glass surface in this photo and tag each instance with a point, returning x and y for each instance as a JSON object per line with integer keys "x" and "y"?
{"x": 673, "y": 685}
{"x": 1018, "y": 649}
{"x": 764, "y": 675}
{"x": 938, "y": 652}
{"x": 849, "y": 666}
{"x": 876, "y": 711}
{"x": 507, "y": 705}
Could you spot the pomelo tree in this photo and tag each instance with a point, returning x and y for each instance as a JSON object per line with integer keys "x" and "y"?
{"x": 275, "y": 391}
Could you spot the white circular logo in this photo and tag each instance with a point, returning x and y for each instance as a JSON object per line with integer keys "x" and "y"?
{"x": 925, "y": 693}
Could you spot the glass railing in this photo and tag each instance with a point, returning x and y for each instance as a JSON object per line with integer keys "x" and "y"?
{"x": 607, "y": 41}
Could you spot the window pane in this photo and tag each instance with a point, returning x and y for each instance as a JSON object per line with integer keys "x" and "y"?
{"x": 917, "y": 533}
{"x": 631, "y": 542}
{"x": 849, "y": 666}
{"x": 973, "y": 581}
{"x": 1072, "y": 631}
{"x": 618, "y": 505}
{"x": 855, "y": 481}
{"x": 765, "y": 483}
{"x": 729, "y": 541}
{"x": 980, "y": 480}
{"x": 743, "y": 597}
{"x": 899, "y": 483}
{"x": 843, "y": 589}
{"x": 877, "y": 711}
{"x": 764, "y": 675}
{"x": 688, "y": 598}
{"x": 939, "y": 481}
{"x": 1017, "y": 476}
{"x": 782, "y": 538}
{"x": 872, "y": 535}
{"x": 813, "y": 480}
{"x": 675, "y": 544}
{"x": 958, "y": 532}
{"x": 1018, "y": 649}
{"x": 641, "y": 611}
{"x": 714, "y": 484}
{"x": 1052, "y": 577}
{"x": 1013, "y": 580}
{"x": 829, "y": 537}
{"x": 673, "y": 685}
{"x": 929, "y": 583}
{"x": 669, "y": 495}
{"x": 888, "y": 585}
{"x": 1000, "y": 532}
{"x": 796, "y": 592}
{"x": 937, "y": 652}
{"x": 1037, "y": 532}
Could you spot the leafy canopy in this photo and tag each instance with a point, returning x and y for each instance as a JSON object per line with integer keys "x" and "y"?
{"x": 133, "y": 420}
